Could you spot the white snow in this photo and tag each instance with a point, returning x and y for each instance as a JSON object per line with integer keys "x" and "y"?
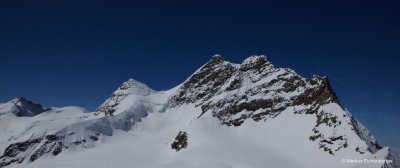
{"x": 270, "y": 144}
{"x": 16, "y": 129}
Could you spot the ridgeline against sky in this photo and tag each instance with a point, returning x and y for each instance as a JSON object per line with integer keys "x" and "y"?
{"x": 77, "y": 52}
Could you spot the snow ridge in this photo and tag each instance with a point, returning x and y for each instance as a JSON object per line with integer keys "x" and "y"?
{"x": 130, "y": 87}
{"x": 21, "y": 107}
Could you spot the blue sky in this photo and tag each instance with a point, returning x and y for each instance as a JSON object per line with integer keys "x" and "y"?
{"x": 78, "y": 52}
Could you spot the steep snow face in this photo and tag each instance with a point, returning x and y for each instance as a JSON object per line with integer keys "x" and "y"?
{"x": 59, "y": 129}
{"x": 131, "y": 102}
{"x": 224, "y": 115}
{"x": 124, "y": 98}
{"x": 21, "y": 107}
{"x": 365, "y": 135}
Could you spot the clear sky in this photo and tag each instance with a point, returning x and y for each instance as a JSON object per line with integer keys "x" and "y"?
{"x": 79, "y": 52}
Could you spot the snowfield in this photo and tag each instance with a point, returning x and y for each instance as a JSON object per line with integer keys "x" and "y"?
{"x": 267, "y": 144}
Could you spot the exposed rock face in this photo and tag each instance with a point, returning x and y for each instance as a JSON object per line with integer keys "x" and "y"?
{"x": 181, "y": 141}
{"x": 26, "y": 107}
{"x": 17, "y": 152}
{"x": 254, "y": 89}
{"x": 32, "y": 149}
{"x": 51, "y": 144}
{"x": 257, "y": 90}
{"x": 365, "y": 135}
{"x": 205, "y": 83}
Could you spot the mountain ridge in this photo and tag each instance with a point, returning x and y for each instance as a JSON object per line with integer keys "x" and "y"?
{"x": 22, "y": 107}
{"x": 228, "y": 97}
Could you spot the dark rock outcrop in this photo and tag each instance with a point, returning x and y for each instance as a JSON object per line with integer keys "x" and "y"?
{"x": 181, "y": 141}
{"x": 27, "y": 108}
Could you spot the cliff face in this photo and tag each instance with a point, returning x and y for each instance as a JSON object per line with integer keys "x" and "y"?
{"x": 258, "y": 91}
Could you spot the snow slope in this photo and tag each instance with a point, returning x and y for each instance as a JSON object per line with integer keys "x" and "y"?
{"x": 224, "y": 115}
{"x": 210, "y": 144}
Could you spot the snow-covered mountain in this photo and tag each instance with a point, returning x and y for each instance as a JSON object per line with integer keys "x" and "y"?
{"x": 21, "y": 107}
{"x": 224, "y": 115}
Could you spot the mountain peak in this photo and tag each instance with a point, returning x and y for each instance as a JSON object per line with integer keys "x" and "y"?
{"x": 255, "y": 61}
{"x": 135, "y": 87}
{"x": 255, "y": 58}
{"x": 217, "y": 56}
{"x": 258, "y": 91}
{"x": 216, "y": 59}
{"x": 131, "y": 80}
{"x": 19, "y": 99}
{"x": 129, "y": 87}
{"x": 25, "y": 107}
